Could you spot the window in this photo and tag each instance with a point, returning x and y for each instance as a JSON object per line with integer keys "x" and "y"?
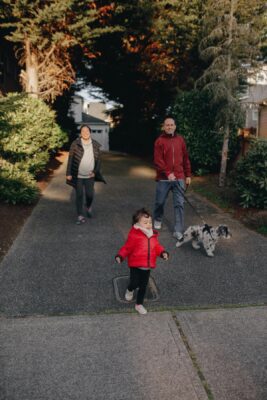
{"x": 255, "y": 115}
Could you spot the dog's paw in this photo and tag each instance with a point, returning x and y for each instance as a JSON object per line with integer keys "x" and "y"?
{"x": 210, "y": 254}
{"x": 178, "y": 244}
{"x": 195, "y": 245}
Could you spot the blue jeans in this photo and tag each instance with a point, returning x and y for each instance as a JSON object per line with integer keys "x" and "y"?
{"x": 162, "y": 191}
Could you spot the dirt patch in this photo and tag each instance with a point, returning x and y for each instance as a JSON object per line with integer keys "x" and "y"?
{"x": 13, "y": 217}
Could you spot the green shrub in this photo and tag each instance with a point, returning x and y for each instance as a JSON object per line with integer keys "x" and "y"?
{"x": 195, "y": 120}
{"x": 250, "y": 177}
{"x": 28, "y": 137}
{"x": 29, "y": 132}
{"x": 16, "y": 186}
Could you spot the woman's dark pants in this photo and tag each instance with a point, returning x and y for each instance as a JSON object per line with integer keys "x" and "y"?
{"x": 86, "y": 185}
{"x": 139, "y": 279}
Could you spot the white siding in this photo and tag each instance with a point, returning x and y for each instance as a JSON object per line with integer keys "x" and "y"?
{"x": 101, "y": 134}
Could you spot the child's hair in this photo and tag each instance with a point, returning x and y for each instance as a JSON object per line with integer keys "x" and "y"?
{"x": 143, "y": 212}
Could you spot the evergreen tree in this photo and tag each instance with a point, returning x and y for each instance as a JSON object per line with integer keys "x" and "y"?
{"x": 142, "y": 66}
{"x": 231, "y": 43}
{"x": 264, "y": 35}
{"x": 45, "y": 33}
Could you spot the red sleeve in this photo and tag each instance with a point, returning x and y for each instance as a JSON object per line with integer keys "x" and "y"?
{"x": 186, "y": 161}
{"x": 127, "y": 248}
{"x": 159, "y": 249}
{"x": 159, "y": 161}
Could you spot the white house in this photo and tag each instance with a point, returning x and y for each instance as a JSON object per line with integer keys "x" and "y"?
{"x": 93, "y": 115}
{"x": 99, "y": 128}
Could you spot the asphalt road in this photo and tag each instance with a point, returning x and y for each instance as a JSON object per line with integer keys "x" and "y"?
{"x": 65, "y": 333}
{"x": 56, "y": 267}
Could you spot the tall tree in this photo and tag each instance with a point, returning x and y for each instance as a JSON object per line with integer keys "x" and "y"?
{"x": 264, "y": 35}
{"x": 45, "y": 32}
{"x": 231, "y": 43}
{"x": 142, "y": 66}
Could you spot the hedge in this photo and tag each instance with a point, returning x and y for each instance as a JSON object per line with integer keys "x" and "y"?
{"x": 250, "y": 176}
{"x": 29, "y": 135}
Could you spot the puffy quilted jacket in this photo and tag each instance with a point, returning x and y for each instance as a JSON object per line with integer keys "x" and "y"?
{"x": 75, "y": 156}
{"x": 141, "y": 250}
{"x": 170, "y": 156}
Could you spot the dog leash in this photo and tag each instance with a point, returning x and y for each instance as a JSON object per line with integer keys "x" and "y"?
{"x": 206, "y": 226}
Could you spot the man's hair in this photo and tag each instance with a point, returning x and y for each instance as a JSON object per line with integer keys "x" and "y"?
{"x": 139, "y": 214}
{"x": 85, "y": 126}
{"x": 168, "y": 117}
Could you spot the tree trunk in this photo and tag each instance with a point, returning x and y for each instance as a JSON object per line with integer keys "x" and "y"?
{"x": 31, "y": 76}
{"x": 224, "y": 157}
{"x": 227, "y": 127}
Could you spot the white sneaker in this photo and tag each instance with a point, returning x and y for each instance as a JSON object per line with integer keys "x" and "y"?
{"x": 179, "y": 236}
{"x": 129, "y": 295}
{"x": 140, "y": 309}
{"x": 157, "y": 224}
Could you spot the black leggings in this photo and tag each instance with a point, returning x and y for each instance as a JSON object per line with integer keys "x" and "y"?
{"x": 88, "y": 185}
{"x": 139, "y": 279}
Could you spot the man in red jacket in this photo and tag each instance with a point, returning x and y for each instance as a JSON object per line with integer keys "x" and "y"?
{"x": 173, "y": 173}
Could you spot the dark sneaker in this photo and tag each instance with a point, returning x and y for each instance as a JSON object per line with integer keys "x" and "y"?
{"x": 89, "y": 213}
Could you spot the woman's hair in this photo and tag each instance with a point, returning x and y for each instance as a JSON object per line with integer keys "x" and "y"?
{"x": 139, "y": 214}
{"x": 85, "y": 126}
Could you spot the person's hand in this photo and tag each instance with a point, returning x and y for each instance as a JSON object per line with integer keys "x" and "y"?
{"x": 69, "y": 177}
{"x": 171, "y": 177}
{"x": 91, "y": 175}
{"x": 165, "y": 256}
{"x": 118, "y": 259}
{"x": 187, "y": 180}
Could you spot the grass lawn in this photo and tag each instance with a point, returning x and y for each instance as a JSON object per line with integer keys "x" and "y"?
{"x": 225, "y": 198}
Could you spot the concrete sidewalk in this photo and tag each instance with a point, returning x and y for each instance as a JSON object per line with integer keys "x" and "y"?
{"x": 57, "y": 276}
{"x": 111, "y": 357}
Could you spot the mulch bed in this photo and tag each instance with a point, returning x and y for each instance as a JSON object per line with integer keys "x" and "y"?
{"x": 225, "y": 198}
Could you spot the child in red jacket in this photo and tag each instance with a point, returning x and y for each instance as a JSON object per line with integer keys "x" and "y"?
{"x": 142, "y": 249}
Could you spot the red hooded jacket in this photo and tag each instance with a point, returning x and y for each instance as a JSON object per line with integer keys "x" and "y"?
{"x": 141, "y": 250}
{"x": 170, "y": 155}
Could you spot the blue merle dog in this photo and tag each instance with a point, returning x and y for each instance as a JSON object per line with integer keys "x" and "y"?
{"x": 205, "y": 235}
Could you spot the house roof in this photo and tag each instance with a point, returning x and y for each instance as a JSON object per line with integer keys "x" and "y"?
{"x": 87, "y": 118}
{"x": 98, "y": 110}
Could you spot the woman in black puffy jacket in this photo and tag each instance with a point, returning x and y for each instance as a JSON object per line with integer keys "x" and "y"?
{"x": 83, "y": 170}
